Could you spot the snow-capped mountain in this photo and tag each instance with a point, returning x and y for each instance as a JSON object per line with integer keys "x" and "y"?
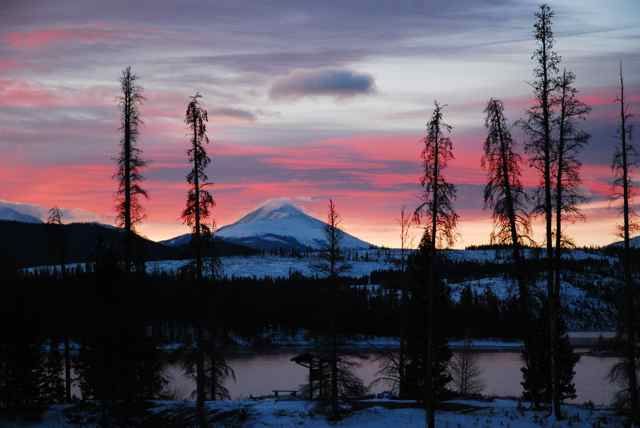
{"x": 7, "y": 213}
{"x": 277, "y": 224}
{"x": 633, "y": 242}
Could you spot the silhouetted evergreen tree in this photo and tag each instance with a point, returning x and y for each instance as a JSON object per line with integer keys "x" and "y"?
{"x": 505, "y": 195}
{"x": 130, "y": 162}
{"x": 21, "y": 373}
{"x": 537, "y": 382}
{"x": 58, "y": 244}
{"x": 199, "y": 202}
{"x": 538, "y": 126}
{"x": 56, "y": 238}
{"x": 416, "y": 352}
{"x": 566, "y": 192}
{"x": 199, "y": 199}
{"x": 337, "y": 374}
{"x": 405, "y": 226}
{"x": 440, "y": 219}
{"x": 119, "y": 363}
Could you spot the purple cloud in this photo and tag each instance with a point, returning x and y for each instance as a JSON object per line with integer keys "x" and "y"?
{"x": 330, "y": 82}
{"x": 232, "y": 113}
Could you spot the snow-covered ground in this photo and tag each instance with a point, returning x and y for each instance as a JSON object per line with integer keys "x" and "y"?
{"x": 504, "y": 256}
{"x": 362, "y": 263}
{"x": 258, "y": 266}
{"x": 586, "y": 309}
{"x": 372, "y": 414}
{"x": 502, "y": 287}
{"x": 302, "y": 340}
{"x": 272, "y": 266}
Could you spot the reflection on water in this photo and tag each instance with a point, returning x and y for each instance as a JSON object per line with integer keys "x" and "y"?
{"x": 260, "y": 373}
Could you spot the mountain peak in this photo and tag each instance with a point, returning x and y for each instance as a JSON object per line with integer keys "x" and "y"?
{"x": 281, "y": 223}
{"x": 274, "y": 209}
{"x": 278, "y": 223}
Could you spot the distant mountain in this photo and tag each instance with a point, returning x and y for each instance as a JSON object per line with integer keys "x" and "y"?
{"x": 277, "y": 224}
{"x": 10, "y": 214}
{"x": 634, "y": 242}
{"x": 31, "y": 244}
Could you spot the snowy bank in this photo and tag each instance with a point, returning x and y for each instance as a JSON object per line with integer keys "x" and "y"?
{"x": 372, "y": 414}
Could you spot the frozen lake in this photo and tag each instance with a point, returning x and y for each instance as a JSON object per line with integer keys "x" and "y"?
{"x": 260, "y": 373}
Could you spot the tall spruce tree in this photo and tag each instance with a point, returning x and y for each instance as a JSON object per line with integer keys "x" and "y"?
{"x": 57, "y": 240}
{"x": 130, "y": 162}
{"x": 625, "y": 162}
{"x": 436, "y": 211}
{"x": 405, "y": 226}
{"x": 338, "y": 369}
{"x": 199, "y": 203}
{"x": 199, "y": 199}
{"x": 566, "y": 199}
{"x": 393, "y": 363}
{"x": 415, "y": 359}
{"x": 56, "y": 237}
{"x": 21, "y": 363}
{"x": 538, "y": 126}
{"x": 506, "y": 196}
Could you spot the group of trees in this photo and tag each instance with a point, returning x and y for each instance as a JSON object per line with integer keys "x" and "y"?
{"x": 118, "y": 360}
{"x": 554, "y": 142}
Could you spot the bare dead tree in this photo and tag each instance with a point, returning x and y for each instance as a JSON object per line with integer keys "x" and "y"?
{"x": 625, "y": 161}
{"x": 436, "y": 209}
{"x": 465, "y": 371}
{"x": 130, "y": 162}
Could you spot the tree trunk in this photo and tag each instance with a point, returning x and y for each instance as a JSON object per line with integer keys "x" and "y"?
{"x": 430, "y": 284}
{"x": 628, "y": 285}
{"x": 67, "y": 370}
{"x": 127, "y": 177}
{"x": 334, "y": 353}
{"x": 213, "y": 362}
{"x": 558, "y": 244}
{"x": 548, "y": 228}
{"x": 513, "y": 228}
{"x": 201, "y": 413}
{"x": 196, "y": 186}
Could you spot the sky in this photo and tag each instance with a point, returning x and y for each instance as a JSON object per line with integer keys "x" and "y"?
{"x": 306, "y": 100}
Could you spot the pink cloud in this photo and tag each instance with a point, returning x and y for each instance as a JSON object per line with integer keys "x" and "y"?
{"x": 22, "y": 93}
{"x": 34, "y": 39}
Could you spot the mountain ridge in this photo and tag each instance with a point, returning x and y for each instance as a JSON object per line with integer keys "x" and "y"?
{"x": 11, "y": 214}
